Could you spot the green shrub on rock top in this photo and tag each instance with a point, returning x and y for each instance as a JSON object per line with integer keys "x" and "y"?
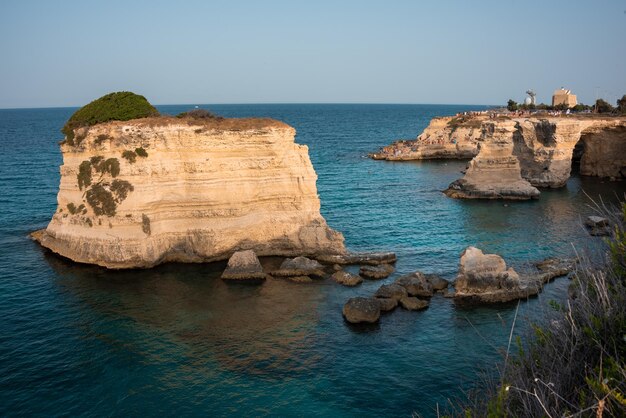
{"x": 122, "y": 105}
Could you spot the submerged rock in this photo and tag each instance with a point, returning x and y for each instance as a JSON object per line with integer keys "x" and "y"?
{"x": 300, "y": 279}
{"x": 299, "y": 266}
{"x": 416, "y": 284}
{"x": 359, "y": 309}
{"x": 346, "y": 279}
{"x": 359, "y": 258}
{"x": 244, "y": 265}
{"x": 376, "y": 272}
{"x": 411, "y": 303}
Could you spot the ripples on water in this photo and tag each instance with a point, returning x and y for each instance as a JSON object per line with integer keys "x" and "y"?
{"x": 80, "y": 340}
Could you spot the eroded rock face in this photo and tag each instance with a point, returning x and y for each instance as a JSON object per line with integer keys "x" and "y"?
{"x": 518, "y": 155}
{"x": 444, "y": 138}
{"x": 512, "y": 156}
{"x": 486, "y": 278}
{"x": 147, "y": 191}
{"x": 358, "y": 310}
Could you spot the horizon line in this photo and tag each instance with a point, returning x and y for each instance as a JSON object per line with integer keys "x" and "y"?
{"x": 271, "y": 103}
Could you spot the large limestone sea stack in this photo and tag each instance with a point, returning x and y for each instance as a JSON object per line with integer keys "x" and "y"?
{"x": 195, "y": 188}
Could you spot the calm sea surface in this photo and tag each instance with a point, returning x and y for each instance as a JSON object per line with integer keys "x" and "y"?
{"x": 176, "y": 340}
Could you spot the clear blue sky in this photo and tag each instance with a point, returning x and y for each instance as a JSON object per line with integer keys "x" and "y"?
{"x": 67, "y": 53}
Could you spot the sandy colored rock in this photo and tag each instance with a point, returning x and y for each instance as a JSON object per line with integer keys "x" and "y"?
{"x": 300, "y": 279}
{"x": 486, "y": 278}
{"x": 204, "y": 191}
{"x": 376, "y": 272}
{"x": 346, "y": 279}
{"x": 358, "y": 310}
{"x": 446, "y": 137}
{"x": 411, "y": 303}
{"x": 244, "y": 265}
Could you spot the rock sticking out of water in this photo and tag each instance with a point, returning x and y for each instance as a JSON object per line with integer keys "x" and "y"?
{"x": 598, "y": 226}
{"x": 411, "y": 303}
{"x": 359, "y": 258}
{"x": 376, "y": 272}
{"x": 347, "y": 279}
{"x": 244, "y": 265}
{"x": 299, "y": 266}
{"x": 438, "y": 283}
{"x": 361, "y": 310}
{"x": 416, "y": 284}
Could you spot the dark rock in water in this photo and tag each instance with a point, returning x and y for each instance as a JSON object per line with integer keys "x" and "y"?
{"x": 448, "y": 294}
{"x": 416, "y": 285}
{"x": 387, "y": 304}
{"x": 359, "y": 258}
{"x": 299, "y": 266}
{"x": 376, "y": 272}
{"x": 244, "y": 265}
{"x": 358, "y": 310}
{"x": 598, "y": 226}
{"x": 300, "y": 279}
{"x": 346, "y": 279}
{"x": 551, "y": 268}
{"x": 596, "y": 221}
{"x": 391, "y": 291}
{"x": 438, "y": 283}
{"x": 413, "y": 304}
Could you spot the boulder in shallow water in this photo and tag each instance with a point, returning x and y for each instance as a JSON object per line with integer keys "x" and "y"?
{"x": 415, "y": 285}
{"x": 438, "y": 283}
{"x": 486, "y": 278}
{"x": 299, "y": 266}
{"x": 358, "y": 310}
{"x": 411, "y": 303}
{"x": 359, "y": 258}
{"x": 346, "y": 279}
{"x": 376, "y": 272}
{"x": 244, "y": 265}
{"x": 387, "y": 304}
{"x": 391, "y": 291}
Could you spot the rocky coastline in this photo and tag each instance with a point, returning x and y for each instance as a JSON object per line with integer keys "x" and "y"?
{"x": 513, "y": 157}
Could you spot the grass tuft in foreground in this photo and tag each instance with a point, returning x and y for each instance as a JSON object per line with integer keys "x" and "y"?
{"x": 575, "y": 365}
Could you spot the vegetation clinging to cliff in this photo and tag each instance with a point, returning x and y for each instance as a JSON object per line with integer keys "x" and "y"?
{"x": 114, "y": 106}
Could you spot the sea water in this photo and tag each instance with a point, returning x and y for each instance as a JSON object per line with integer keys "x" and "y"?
{"x": 77, "y": 340}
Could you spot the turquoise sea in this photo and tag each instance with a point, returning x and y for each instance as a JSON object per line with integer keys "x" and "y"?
{"x": 176, "y": 340}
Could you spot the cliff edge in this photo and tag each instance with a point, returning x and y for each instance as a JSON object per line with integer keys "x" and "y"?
{"x": 145, "y": 191}
{"x": 514, "y": 156}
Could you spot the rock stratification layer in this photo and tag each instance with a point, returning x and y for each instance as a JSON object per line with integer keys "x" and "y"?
{"x": 513, "y": 156}
{"x": 147, "y": 191}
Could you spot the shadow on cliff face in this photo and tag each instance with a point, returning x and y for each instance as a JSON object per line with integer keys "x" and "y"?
{"x": 188, "y": 310}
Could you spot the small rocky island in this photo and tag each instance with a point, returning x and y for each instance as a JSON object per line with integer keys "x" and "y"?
{"x": 511, "y": 157}
{"x": 139, "y": 189}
